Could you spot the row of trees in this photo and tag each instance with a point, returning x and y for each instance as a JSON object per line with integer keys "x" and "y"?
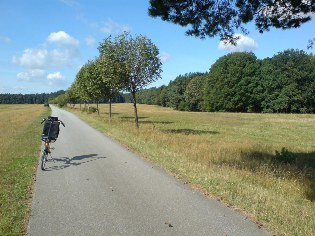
{"x": 124, "y": 64}
{"x": 65, "y": 98}
{"x": 239, "y": 82}
{"x": 40, "y": 98}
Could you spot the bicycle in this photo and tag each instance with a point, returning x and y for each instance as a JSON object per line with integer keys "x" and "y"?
{"x": 49, "y": 135}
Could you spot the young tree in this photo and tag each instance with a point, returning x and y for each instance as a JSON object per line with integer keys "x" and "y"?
{"x": 80, "y": 85}
{"x": 109, "y": 77}
{"x": 136, "y": 63}
{"x": 94, "y": 85}
{"x": 72, "y": 95}
{"x": 221, "y": 18}
{"x": 74, "y": 92}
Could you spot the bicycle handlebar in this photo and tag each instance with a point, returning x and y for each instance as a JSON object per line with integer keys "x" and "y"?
{"x": 44, "y": 119}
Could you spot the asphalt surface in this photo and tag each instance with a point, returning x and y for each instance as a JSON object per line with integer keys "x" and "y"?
{"x": 98, "y": 187}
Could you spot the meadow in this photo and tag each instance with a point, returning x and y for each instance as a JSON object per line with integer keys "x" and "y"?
{"x": 19, "y": 151}
{"x": 262, "y": 165}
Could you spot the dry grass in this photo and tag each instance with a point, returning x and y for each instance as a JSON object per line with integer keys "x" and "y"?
{"x": 230, "y": 156}
{"x": 19, "y": 148}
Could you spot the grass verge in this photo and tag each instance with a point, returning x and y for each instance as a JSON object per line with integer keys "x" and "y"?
{"x": 19, "y": 149}
{"x": 263, "y": 164}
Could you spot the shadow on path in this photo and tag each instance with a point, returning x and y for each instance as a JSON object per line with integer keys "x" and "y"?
{"x": 65, "y": 162}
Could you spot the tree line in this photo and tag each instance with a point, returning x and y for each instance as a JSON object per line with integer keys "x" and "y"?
{"x": 38, "y": 98}
{"x": 239, "y": 82}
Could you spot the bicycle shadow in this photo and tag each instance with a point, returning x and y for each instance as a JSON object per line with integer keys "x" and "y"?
{"x": 66, "y": 162}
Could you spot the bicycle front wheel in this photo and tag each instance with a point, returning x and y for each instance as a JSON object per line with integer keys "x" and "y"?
{"x": 44, "y": 159}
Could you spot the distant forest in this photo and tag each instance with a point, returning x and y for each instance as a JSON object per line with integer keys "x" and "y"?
{"x": 38, "y": 98}
{"x": 239, "y": 82}
{"x": 42, "y": 98}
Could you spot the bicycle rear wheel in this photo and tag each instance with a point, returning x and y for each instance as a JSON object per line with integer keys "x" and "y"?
{"x": 44, "y": 159}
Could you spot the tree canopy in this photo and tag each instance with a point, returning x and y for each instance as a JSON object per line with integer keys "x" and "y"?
{"x": 232, "y": 83}
{"x": 239, "y": 82}
{"x": 222, "y": 18}
{"x": 288, "y": 83}
{"x": 136, "y": 61}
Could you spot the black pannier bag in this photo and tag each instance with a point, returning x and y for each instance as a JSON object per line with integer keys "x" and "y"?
{"x": 51, "y": 128}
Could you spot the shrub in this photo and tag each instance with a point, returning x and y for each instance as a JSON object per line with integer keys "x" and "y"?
{"x": 92, "y": 109}
{"x": 89, "y": 109}
{"x": 284, "y": 156}
{"x": 183, "y": 106}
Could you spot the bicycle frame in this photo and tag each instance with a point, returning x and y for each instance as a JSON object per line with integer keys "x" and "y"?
{"x": 44, "y": 157}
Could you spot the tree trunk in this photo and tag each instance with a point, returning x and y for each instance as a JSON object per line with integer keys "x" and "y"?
{"x": 135, "y": 110}
{"x": 110, "y": 111}
{"x": 98, "y": 111}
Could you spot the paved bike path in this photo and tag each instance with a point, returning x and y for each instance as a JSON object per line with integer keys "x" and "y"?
{"x": 98, "y": 187}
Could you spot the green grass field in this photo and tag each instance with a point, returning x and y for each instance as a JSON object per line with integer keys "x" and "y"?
{"x": 260, "y": 164}
{"x": 19, "y": 151}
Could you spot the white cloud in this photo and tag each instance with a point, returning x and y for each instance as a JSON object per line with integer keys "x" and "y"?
{"x": 243, "y": 44}
{"x": 62, "y": 38}
{"x": 111, "y": 27}
{"x": 4, "y": 39}
{"x": 59, "y": 50}
{"x": 164, "y": 56}
{"x": 57, "y": 80}
{"x": 90, "y": 41}
{"x": 32, "y": 58}
{"x": 23, "y": 76}
{"x": 53, "y": 76}
{"x": 31, "y": 75}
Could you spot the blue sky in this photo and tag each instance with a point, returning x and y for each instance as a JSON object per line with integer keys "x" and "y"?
{"x": 43, "y": 43}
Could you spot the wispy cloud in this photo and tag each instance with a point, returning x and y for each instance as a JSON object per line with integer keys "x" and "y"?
{"x": 243, "y": 44}
{"x": 90, "y": 41}
{"x": 71, "y": 3}
{"x": 164, "y": 56}
{"x": 31, "y": 75}
{"x": 57, "y": 79}
{"x": 4, "y": 39}
{"x": 111, "y": 27}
